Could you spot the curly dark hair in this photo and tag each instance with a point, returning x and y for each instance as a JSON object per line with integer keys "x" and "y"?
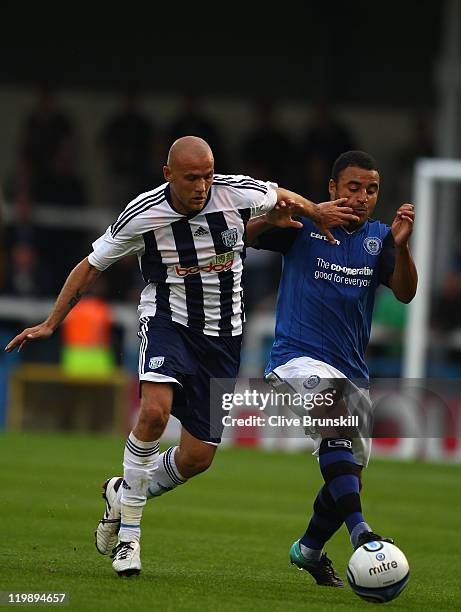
{"x": 358, "y": 159}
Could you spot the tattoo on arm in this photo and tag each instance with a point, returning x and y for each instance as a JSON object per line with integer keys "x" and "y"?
{"x": 75, "y": 299}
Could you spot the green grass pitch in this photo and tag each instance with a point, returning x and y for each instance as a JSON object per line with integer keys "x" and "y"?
{"x": 221, "y": 541}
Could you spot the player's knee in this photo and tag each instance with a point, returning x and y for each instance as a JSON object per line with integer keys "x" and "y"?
{"x": 153, "y": 414}
{"x": 156, "y": 400}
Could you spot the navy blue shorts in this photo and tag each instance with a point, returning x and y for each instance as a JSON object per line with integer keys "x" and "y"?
{"x": 171, "y": 352}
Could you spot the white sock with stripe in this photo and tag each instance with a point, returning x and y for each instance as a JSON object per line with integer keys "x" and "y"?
{"x": 139, "y": 464}
{"x": 166, "y": 476}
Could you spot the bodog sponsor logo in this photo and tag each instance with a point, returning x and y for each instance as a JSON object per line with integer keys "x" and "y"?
{"x": 221, "y": 263}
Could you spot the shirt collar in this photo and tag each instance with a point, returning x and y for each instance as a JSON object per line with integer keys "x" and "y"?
{"x": 167, "y": 192}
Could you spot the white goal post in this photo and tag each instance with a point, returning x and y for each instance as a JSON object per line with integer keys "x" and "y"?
{"x": 427, "y": 172}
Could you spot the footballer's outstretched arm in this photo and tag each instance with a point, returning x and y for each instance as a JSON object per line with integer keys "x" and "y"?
{"x": 289, "y": 205}
{"x": 404, "y": 279}
{"x": 79, "y": 280}
{"x": 281, "y": 216}
{"x": 324, "y": 215}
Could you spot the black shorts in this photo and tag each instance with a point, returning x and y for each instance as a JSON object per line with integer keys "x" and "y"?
{"x": 171, "y": 352}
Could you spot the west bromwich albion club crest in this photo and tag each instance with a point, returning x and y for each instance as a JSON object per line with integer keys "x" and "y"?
{"x": 156, "y": 362}
{"x": 230, "y": 237}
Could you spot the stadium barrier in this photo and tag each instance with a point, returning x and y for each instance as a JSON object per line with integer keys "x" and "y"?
{"x": 44, "y": 396}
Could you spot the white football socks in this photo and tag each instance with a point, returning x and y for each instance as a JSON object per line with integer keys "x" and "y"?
{"x": 139, "y": 462}
{"x": 166, "y": 476}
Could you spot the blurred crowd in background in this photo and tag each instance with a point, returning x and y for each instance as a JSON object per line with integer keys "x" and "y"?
{"x": 132, "y": 149}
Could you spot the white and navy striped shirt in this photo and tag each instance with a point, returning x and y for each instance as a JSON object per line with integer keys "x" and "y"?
{"x": 192, "y": 264}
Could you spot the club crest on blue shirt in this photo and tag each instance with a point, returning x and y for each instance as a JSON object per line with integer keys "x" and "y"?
{"x": 230, "y": 237}
{"x": 311, "y": 382}
{"x": 156, "y": 362}
{"x": 372, "y": 245}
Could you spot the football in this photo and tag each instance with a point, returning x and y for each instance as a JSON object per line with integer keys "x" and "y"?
{"x": 378, "y": 572}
